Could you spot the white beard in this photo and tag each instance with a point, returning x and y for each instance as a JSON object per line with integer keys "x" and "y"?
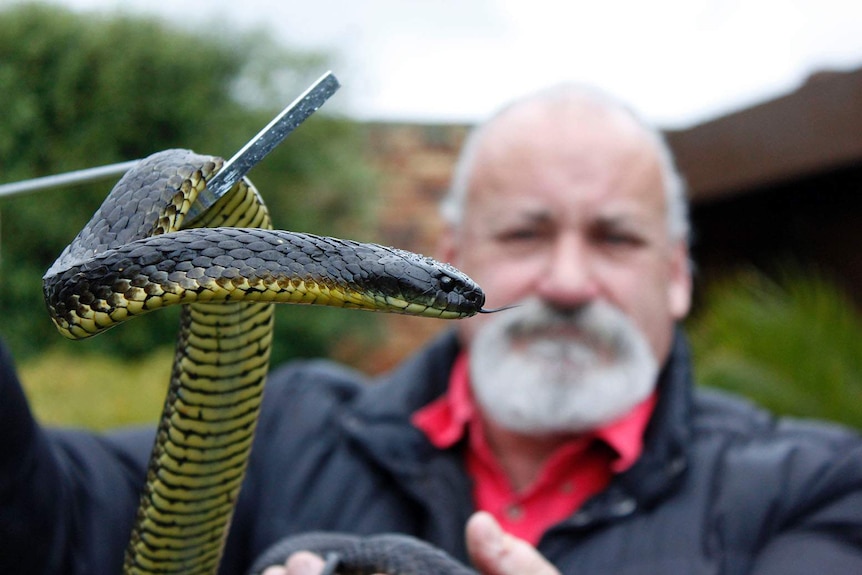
{"x": 538, "y": 370}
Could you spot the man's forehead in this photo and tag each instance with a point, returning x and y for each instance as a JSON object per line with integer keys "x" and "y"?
{"x": 537, "y": 135}
{"x": 541, "y": 181}
{"x": 531, "y": 209}
{"x": 539, "y": 158}
{"x": 577, "y": 111}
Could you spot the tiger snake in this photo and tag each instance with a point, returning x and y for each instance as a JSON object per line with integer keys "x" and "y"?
{"x": 226, "y": 269}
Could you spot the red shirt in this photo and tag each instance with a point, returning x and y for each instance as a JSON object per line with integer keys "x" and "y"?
{"x": 574, "y": 472}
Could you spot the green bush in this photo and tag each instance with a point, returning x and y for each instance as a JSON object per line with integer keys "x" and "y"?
{"x": 84, "y": 90}
{"x": 793, "y": 345}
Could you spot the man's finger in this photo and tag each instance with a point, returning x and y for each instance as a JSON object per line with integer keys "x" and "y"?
{"x": 300, "y": 563}
{"x": 494, "y": 552}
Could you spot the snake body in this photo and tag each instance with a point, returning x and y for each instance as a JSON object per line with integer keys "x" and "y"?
{"x": 354, "y": 555}
{"x": 136, "y": 255}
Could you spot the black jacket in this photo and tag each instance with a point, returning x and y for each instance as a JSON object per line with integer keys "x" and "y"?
{"x": 720, "y": 488}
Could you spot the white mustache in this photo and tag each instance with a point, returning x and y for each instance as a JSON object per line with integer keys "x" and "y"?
{"x": 595, "y": 325}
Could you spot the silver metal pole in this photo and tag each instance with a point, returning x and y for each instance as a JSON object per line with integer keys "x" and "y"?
{"x": 67, "y": 179}
{"x": 252, "y": 153}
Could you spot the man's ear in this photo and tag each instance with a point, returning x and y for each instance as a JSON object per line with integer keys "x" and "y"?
{"x": 680, "y": 285}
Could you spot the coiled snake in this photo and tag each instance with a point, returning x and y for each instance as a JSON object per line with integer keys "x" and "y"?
{"x": 135, "y": 256}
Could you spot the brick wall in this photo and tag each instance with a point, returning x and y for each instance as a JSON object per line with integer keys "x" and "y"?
{"x": 415, "y": 165}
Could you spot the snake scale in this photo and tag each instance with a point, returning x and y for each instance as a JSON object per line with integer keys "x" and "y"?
{"x": 228, "y": 267}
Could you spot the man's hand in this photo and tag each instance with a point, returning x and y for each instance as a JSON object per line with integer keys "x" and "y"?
{"x": 492, "y": 551}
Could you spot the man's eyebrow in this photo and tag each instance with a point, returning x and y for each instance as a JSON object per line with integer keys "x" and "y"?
{"x": 628, "y": 222}
{"x": 534, "y": 215}
{"x": 615, "y": 220}
{"x": 621, "y": 215}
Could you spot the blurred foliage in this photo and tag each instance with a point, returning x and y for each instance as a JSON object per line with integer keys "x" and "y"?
{"x": 87, "y": 89}
{"x": 792, "y": 344}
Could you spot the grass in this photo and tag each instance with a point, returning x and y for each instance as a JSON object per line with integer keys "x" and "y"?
{"x": 96, "y": 392}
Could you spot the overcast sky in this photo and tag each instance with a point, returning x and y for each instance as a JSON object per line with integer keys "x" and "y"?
{"x": 677, "y": 62}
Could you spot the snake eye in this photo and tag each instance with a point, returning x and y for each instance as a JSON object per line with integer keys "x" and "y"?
{"x": 447, "y": 283}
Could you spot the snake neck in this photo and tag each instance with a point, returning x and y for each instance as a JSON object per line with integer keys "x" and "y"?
{"x": 207, "y": 426}
{"x": 204, "y": 439}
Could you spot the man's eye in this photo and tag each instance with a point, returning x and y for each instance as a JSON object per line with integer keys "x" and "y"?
{"x": 519, "y": 235}
{"x": 622, "y": 239}
{"x": 615, "y": 238}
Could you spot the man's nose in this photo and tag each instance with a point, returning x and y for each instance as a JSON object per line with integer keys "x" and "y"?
{"x": 569, "y": 278}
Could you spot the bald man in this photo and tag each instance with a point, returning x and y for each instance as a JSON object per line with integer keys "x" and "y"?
{"x": 562, "y": 435}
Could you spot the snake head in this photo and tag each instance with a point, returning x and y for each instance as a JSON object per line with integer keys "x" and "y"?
{"x": 449, "y": 290}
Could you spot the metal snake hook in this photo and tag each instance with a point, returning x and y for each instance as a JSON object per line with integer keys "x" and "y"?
{"x": 253, "y": 152}
{"x": 264, "y": 142}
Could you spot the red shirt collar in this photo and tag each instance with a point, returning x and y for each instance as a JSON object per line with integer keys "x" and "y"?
{"x": 573, "y": 473}
{"x": 445, "y": 421}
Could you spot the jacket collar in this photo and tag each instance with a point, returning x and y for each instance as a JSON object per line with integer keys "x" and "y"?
{"x": 379, "y": 417}
{"x": 667, "y": 436}
{"x": 415, "y": 383}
